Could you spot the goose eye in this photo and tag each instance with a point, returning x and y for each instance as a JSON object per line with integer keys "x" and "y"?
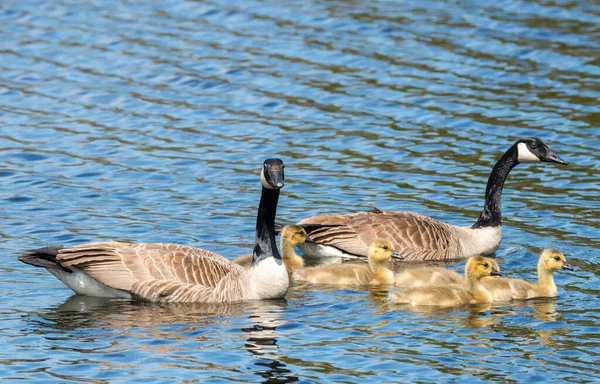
{"x": 534, "y": 145}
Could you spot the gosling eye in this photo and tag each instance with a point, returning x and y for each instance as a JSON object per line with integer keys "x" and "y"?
{"x": 486, "y": 265}
{"x": 385, "y": 247}
{"x": 556, "y": 258}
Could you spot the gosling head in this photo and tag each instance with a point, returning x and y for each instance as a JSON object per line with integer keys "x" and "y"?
{"x": 478, "y": 267}
{"x": 381, "y": 251}
{"x": 494, "y": 264}
{"x": 552, "y": 260}
{"x": 533, "y": 150}
{"x": 294, "y": 234}
{"x": 271, "y": 175}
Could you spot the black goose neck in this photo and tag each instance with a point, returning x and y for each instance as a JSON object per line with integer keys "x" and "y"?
{"x": 491, "y": 216}
{"x": 265, "y": 226}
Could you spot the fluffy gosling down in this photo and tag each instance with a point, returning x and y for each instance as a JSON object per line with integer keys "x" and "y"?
{"x": 550, "y": 261}
{"x": 375, "y": 273}
{"x": 452, "y": 295}
{"x": 424, "y": 276}
{"x": 290, "y": 236}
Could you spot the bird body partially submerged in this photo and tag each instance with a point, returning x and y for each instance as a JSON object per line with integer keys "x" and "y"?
{"x": 427, "y": 276}
{"x": 376, "y": 272}
{"x": 550, "y": 261}
{"x": 471, "y": 291}
{"x": 175, "y": 273}
{"x": 419, "y": 237}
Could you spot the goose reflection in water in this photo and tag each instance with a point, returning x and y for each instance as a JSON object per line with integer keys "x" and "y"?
{"x": 262, "y": 341}
{"x": 173, "y": 330}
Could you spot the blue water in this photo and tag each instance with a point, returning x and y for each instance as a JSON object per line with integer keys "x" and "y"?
{"x": 149, "y": 122}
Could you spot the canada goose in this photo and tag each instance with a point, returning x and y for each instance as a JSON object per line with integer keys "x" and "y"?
{"x": 419, "y": 237}
{"x": 451, "y": 295}
{"x": 550, "y": 261}
{"x": 375, "y": 273}
{"x": 175, "y": 273}
{"x": 423, "y": 276}
{"x": 290, "y": 236}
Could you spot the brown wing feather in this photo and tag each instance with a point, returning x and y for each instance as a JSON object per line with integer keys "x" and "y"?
{"x": 157, "y": 272}
{"x": 416, "y": 237}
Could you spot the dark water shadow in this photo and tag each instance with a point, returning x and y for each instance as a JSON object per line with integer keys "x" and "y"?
{"x": 265, "y": 316}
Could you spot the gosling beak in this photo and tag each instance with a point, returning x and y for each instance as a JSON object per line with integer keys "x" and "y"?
{"x": 552, "y": 157}
{"x": 397, "y": 255}
{"x": 495, "y": 272}
{"x": 567, "y": 267}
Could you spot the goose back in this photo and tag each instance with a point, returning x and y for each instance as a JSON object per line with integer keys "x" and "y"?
{"x": 159, "y": 272}
{"x": 414, "y": 236}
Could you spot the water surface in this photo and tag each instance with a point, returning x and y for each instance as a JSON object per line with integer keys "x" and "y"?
{"x": 149, "y": 122}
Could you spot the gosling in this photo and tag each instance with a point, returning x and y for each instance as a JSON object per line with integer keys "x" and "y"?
{"x": 423, "y": 276}
{"x": 470, "y": 291}
{"x": 550, "y": 261}
{"x": 290, "y": 236}
{"x": 375, "y": 273}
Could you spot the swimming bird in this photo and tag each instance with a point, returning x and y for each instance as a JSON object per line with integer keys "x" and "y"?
{"x": 551, "y": 260}
{"x": 419, "y": 237}
{"x": 375, "y": 273}
{"x": 451, "y": 295}
{"x": 290, "y": 236}
{"x": 423, "y": 276}
{"x": 175, "y": 273}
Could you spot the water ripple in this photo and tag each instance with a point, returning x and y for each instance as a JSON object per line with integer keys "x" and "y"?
{"x": 148, "y": 122}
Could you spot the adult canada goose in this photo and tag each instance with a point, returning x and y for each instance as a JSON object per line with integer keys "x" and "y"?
{"x": 375, "y": 273}
{"x": 175, "y": 273}
{"x": 451, "y": 295}
{"x": 550, "y": 261}
{"x": 423, "y": 276}
{"x": 419, "y": 237}
{"x": 290, "y": 236}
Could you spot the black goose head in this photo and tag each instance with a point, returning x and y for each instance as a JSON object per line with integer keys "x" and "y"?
{"x": 532, "y": 150}
{"x": 271, "y": 175}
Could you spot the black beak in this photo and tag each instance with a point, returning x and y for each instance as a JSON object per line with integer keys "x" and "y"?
{"x": 397, "y": 255}
{"x": 552, "y": 157}
{"x": 567, "y": 267}
{"x": 495, "y": 272}
{"x": 276, "y": 179}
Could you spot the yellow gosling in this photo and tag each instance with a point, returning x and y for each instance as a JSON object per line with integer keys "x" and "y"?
{"x": 375, "y": 273}
{"x": 470, "y": 291}
{"x": 550, "y": 261}
{"x": 290, "y": 236}
{"x": 424, "y": 276}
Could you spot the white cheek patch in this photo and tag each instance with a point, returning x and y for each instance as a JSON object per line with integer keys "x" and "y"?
{"x": 525, "y": 155}
{"x": 264, "y": 181}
